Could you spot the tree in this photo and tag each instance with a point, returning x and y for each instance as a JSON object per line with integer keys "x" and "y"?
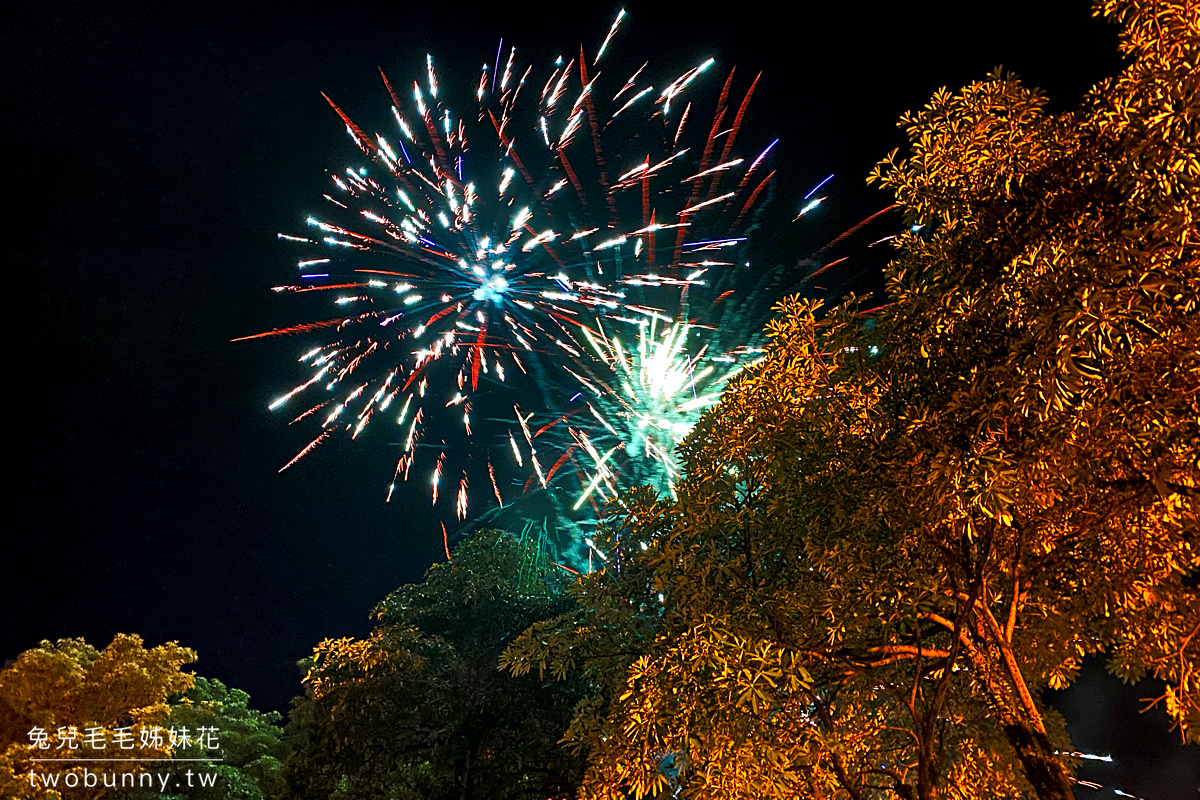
{"x": 962, "y": 495}
{"x": 68, "y": 684}
{"x": 248, "y": 761}
{"x": 420, "y": 710}
{"x": 1050, "y": 318}
{"x": 758, "y": 637}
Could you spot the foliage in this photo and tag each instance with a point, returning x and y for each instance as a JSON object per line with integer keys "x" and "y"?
{"x": 1051, "y": 316}
{"x": 69, "y": 683}
{"x": 895, "y": 532}
{"x": 757, "y": 638}
{"x": 420, "y": 710}
{"x": 248, "y": 763}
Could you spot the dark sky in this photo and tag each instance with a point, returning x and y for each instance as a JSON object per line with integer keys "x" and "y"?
{"x": 159, "y": 148}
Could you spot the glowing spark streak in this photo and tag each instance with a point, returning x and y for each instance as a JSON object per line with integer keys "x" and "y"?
{"x": 583, "y": 95}
{"x": 639, "y": 168}
{"x": 432, "y": 79}
{"x": 280, "y": 401}
{"x": 508, "y": 69}
{"x": 633, "y": 100}
{"x": 665, "y": 162}
{"x": 809, "y": 207}
{"x": 763, "y": 155}
{"x": 495, "y": 488}
{"x": 595, "y": 481}
{"x": 403, "y": 126}
{"x": 608, "y": 38}
{"x": 541, "y": 238}
{"x": 699, "y": 206}
{"x": 412, "y": 430}
{"x": 521, "y": 218}
{"x": 587, "y": 334}
{"x": 460, "y": 507}
{"x": 611, "y": 243}
{"x": 569, "y": 130}
{"x": 496, "y": 69}
{"x": 420, "y": 102}
{"x": 602, "y": 420}
{"x": 361, "y": 424}
{"x": 387, "y": 149}
{"x": 504, "y": 181}
{"x": 718, "y": 168}
{"x": 312, "y": 410}
{"x": 818, "y": 186}
{"x": 630, "y": 83}
{"x": 546, "y": 88}
{"x": 437, "y": 477}
{"x": 537, "y": 467}
{"x": 559, "y": 88}
{"x": 337, "y": 410}
{"x": 681, "y": 83}
{"x": 307, "y": 449}
{"x": 682, "y": 120}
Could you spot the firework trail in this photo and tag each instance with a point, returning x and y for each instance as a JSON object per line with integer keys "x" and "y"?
{"x": 552, "y": 245}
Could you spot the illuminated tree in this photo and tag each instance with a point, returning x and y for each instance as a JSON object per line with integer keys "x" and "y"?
{"x": 964, "y": 494}
{"x": 1043, "y": 361}
{"x": 761, "y": 636}
{"x": 70, "y": 684}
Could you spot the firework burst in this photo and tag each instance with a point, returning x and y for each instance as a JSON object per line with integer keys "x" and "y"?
{"x": 483, "y": 266}
{"x": 658, "y": 388}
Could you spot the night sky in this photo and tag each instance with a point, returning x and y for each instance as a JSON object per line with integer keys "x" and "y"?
{"x": 160, "y": 147}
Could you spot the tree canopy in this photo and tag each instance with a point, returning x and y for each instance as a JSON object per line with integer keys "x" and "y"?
{"x": 60, "y": 692}
{"x": 420, "y": 710}
{"x": 247, "y": 761}
{"x": 901, "y": 527}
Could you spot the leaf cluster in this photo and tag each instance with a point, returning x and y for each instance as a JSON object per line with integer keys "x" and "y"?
{"x": 249, "y": 760}
{"x": 69, "y": 683}
{"x": 419, "y": 709}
